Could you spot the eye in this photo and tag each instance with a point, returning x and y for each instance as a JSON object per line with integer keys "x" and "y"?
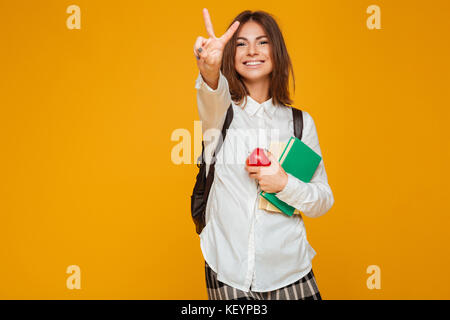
{"x": 239, "y": 44}
{"x": 264, "y": 41}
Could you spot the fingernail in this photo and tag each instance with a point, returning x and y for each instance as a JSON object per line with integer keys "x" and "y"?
{"x": 200, "y": 49}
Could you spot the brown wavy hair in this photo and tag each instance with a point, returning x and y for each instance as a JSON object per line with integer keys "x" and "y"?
{"x": 282, "y": 66}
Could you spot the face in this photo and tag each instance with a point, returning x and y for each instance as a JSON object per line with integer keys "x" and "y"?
{"x": 253, "y": 59}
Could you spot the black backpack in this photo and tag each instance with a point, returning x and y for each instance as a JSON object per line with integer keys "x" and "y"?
{"x": 203, "y": 183}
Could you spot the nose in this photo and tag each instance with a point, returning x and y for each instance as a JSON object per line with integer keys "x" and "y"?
{"x": 252, "y": 49}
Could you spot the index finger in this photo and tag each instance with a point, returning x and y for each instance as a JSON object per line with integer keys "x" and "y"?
{"x": 252, "y": 169}
{"x": 208, "y": 24}
{"x": 231, "y": 30}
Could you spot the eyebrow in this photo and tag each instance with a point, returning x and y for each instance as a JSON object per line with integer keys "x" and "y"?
{"x": 243, "y": 38}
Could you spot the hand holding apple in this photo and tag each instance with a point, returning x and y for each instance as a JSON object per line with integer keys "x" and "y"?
{"x": 271, "y": 178}
{"x": 258, "y": 158}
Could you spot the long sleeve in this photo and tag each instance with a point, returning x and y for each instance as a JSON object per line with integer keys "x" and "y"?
{"x": 314, "y": 198}
{"x": 212, "y": 104}
{"x": 212, "y": 107}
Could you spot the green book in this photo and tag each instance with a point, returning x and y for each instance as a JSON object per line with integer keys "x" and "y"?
{"x": 300, "y": 161}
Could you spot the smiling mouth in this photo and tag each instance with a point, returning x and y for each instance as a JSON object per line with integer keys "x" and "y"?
{"x": 253, "y": 63}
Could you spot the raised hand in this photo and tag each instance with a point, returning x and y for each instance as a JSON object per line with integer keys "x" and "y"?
{"x": 209, "y": 52}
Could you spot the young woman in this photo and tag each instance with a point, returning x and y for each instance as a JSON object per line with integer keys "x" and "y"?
{"x": 251, "y": 253}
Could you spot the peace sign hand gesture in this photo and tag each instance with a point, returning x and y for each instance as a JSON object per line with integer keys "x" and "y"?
{"x": 209, "y": 51}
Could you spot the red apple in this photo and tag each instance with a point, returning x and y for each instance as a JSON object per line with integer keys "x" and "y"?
{"x": 258, "y": 158}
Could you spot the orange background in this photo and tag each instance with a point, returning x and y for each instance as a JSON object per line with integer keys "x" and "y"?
{"x": 87, "y": 115}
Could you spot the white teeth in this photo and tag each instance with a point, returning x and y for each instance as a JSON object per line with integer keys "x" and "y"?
{"x": 252, "y": 63}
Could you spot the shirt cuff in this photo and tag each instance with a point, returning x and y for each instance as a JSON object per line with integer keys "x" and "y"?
{"x": 291, "y": 190}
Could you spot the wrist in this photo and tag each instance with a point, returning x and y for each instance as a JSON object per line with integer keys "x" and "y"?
{"x": 211, "y": 79}
{"x": 284, "y": 182}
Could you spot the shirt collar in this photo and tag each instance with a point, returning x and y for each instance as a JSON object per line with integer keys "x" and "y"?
{"x": 253, "y": 106}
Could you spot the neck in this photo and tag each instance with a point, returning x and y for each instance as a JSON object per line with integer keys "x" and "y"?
{"x": 258, "y": 90}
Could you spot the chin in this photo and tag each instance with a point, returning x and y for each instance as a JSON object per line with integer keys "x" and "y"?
{"x": 254, "y": 76}
{"x": 256, "y": 79}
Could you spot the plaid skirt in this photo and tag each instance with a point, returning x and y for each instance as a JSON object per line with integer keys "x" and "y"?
{"x": 303, "y": 289}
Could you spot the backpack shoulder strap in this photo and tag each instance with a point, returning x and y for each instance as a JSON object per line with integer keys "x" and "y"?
{"x": 226, "y": 125}
{"x": 297, "y": 116}
{"x": 210, "y": 176}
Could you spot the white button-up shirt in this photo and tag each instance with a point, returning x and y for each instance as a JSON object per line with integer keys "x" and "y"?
{"x": 248, "y": 247}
